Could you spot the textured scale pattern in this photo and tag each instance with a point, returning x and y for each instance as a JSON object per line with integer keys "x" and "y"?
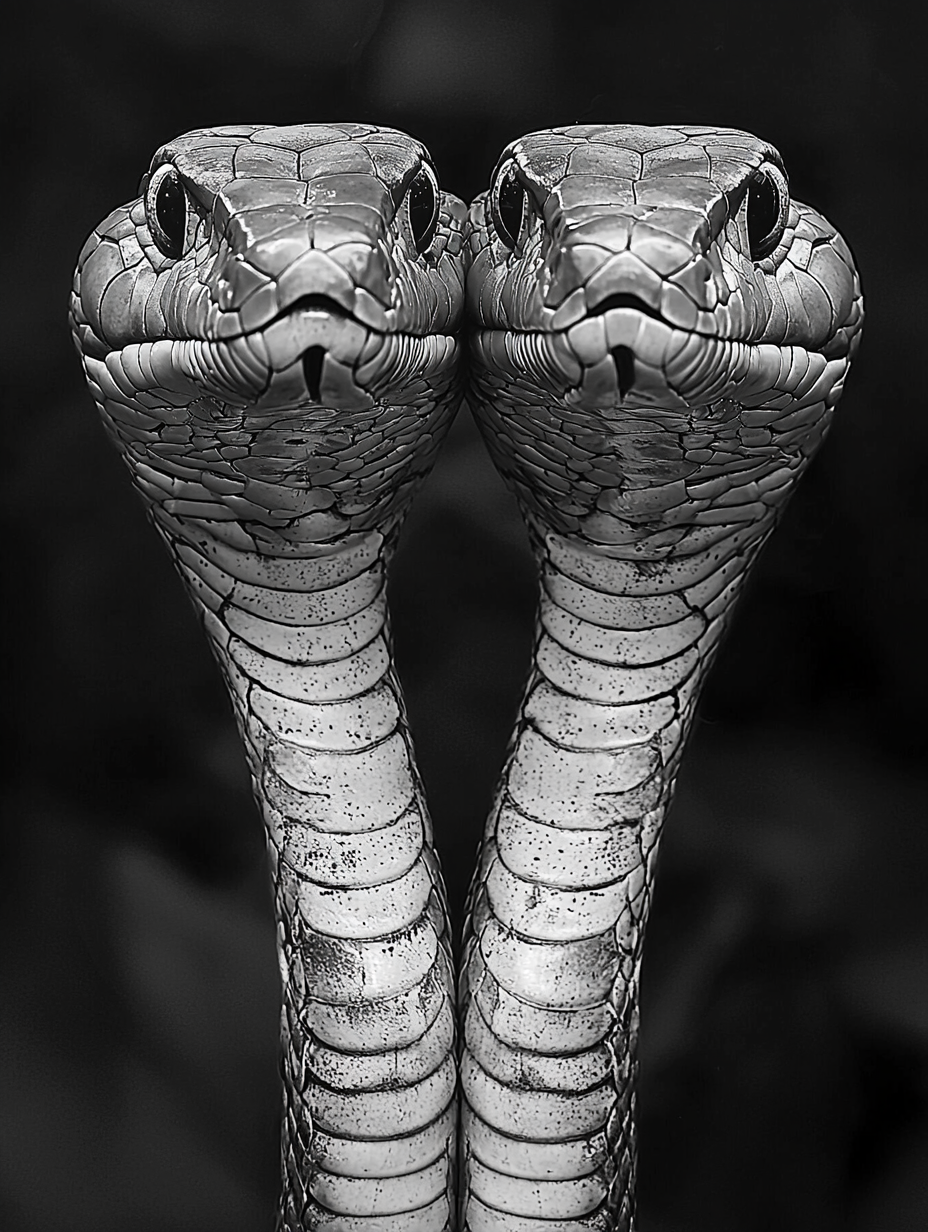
{"x": 278, "y": 386}
{"x": 652, "y": 390}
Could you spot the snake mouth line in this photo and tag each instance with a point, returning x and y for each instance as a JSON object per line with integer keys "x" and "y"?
{"x": 313, "y": 359}
{"x": 322, "y": 303}
{"x": 624, "y": 299}
{"x": 618, "y": 300}
{"x": 315, "y": 302}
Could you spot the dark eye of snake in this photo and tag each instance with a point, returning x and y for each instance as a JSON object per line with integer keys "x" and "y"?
{"x": 422, "y": 203}
{"x": 507, "y": 205}
{"x": 166, "y": 210}
{"x": 768, "y": 209}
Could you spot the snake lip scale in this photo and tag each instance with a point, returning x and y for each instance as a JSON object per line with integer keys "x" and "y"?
{"x": 658, "y": 335}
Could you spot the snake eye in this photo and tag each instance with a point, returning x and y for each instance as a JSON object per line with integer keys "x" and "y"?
{"x": 508, "y": 205}
{"x": 768, "y": 209}
{"x": 422, "y": 204}
{"x": 166, "y": 210}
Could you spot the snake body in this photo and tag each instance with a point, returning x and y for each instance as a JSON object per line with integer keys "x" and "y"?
{"x": 268, "y": 333}
{"x": 659, "y": 338}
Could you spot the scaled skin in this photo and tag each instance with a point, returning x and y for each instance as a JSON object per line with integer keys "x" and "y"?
{"x": 278, "y": 382}
{"x": 651, "y": 378}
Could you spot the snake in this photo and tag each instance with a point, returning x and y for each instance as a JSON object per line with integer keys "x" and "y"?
{"x": 659, "y": 335}
{"x": 270, "y": 333}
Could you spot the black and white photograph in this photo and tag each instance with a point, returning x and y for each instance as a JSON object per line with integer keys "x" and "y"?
{"x": 464, "y": 521}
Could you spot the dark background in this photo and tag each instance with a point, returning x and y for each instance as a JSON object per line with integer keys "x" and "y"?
{"x": 785, "y": 1019}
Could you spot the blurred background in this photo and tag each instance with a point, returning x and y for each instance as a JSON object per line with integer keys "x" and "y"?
{"x": 785, "y": 1017}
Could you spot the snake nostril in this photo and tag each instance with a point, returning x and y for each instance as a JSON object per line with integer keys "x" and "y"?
{"x": 312, "y": 371}
{"x": 624, "y": 361}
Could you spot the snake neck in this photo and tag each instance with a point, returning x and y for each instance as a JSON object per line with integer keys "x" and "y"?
{"x": 562, "y": 897}
{"x": 282, "y": 523}
{"x": 645, "y": 521}
{"x": 367, "y": 1020}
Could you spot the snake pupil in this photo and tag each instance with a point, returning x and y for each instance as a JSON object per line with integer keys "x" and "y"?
{"x": 768, "y": 206}
{"x": 423, "y": 208}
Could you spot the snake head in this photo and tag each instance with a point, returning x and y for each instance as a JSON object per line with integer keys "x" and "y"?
{"x": 260, "y": 244}
{"x": 653, "y": 316}
{"x": 269, "y": 295}
{"x": 626, "y": 243}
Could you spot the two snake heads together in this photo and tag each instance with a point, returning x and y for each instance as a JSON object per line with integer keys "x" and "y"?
{"x": 652, "y": 336}
{"x": 608, "y": 269}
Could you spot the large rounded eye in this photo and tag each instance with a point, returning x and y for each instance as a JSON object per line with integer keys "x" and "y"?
{"x": 508, "y": 204}
{"x": 422, "y": 204}
{"x": 166, "y": 210}
{"x": 768, "y": 209}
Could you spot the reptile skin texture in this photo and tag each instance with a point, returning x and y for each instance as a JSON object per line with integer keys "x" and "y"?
{"x": 659, "y": 339}
{"x": 269, "y": 334}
